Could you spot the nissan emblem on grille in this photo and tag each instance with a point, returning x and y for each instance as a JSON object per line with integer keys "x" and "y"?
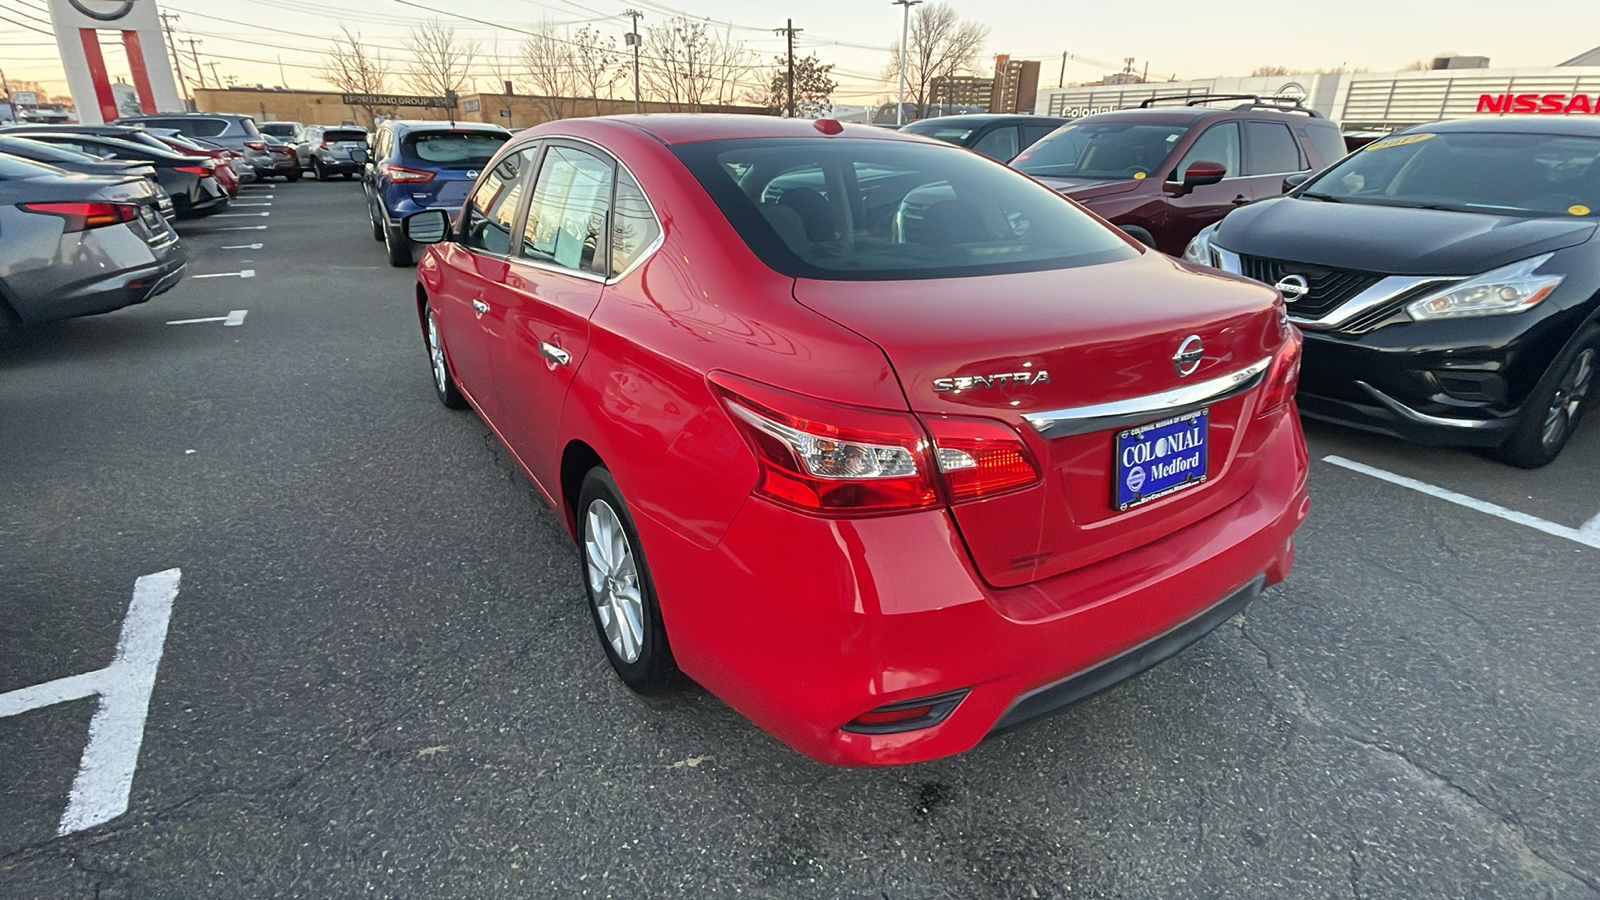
{"x": 1293, "y": 287}
{"x": 1189, "y": 354}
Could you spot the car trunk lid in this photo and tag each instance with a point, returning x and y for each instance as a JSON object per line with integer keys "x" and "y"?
{"x": 1035, "y": 344}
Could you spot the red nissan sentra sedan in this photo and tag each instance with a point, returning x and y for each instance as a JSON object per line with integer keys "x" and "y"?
{"x": 885, "y": 444}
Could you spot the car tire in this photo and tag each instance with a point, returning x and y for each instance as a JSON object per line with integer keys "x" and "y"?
{"x": 1557, "y": 404}
{"x": 292, "y": 176}
{"x": 349, "y": 175}
{"x": 622, "y": 595}
{"x": 377, "y": 226}
{"x": 444, "y": 379}
{"x": 318, "y": 171}
{"x": 397, "y": 246}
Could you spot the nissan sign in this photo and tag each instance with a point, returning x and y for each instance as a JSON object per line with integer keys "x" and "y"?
{"x": 1545, "y": 104}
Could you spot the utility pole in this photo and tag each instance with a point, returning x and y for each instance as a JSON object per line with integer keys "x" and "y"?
{"x": 789, "y": 30}
{"x": 1063, "y": 82}
{"x": 905, "y": 32}
{"x": 177, "y": 61}
{"x": 632, "y": 40}
{"x": 214, "y": 77}
{"x": 282, "y": 78}
{"x": 195, "y": 57}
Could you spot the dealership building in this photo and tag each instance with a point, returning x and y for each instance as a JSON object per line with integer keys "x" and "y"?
{"x": 1373, "y": 101}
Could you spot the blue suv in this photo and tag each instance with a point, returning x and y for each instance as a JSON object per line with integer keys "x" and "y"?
{"x": 422, "y": 165}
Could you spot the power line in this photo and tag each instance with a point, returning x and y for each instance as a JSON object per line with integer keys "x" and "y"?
{"x": 22, "y": 25}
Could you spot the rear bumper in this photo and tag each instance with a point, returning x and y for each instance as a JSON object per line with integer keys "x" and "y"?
{"x": 107, "y": 293}
{"x": 840, "y": 617}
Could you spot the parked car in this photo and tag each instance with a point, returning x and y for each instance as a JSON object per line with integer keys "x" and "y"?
{"x": 191, "y": 181}
{"x": 998, "y": 136}
{"x": 77, "y": 245}
{"x": 285, "y": 162}
{"x": 330, "y": 151}
{"x": 1162, "y": 173}
{"x": 85, "y": 164}
{"x": 131, "y": 133}
{"x": 1447, "y": 279}
{"x": 288, "y": 132}
{"x": 231, "y": 170}
{"x": 236, "y": 132}
{"x": 417, "y": 165}
{"x": 886, "y": 464}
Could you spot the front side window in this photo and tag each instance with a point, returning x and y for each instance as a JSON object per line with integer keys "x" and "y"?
{"x": 493, "y": 206}
{"x": 1104, "y": 150}
{"x": 1501, "y": 173}
{"x": 1219, "y": 144}
{"x": 1273, "y": 150}
{"x": 568, "y": 213}
{"x": 863, "y": 209}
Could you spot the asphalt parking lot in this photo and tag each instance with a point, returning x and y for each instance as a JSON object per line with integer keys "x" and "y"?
{"x": 378, "y": 676}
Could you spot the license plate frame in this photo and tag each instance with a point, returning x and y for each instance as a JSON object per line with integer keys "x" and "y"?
{"x": 1178, "y": 459}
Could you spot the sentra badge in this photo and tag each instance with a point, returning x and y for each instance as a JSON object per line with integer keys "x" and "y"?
{"x": 1003, "y": 379}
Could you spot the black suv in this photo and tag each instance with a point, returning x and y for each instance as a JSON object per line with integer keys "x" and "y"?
{"x": 999, "y": 136}
{"x": 1447, "y": 280}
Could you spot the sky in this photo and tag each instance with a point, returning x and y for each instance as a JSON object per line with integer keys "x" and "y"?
{"x": 246, "y": 38}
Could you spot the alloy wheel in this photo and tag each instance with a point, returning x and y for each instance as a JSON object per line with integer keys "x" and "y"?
{"x": 441, "y": 374}
{"x": 614, "y": 581}
{"x": 1569, "y": 397}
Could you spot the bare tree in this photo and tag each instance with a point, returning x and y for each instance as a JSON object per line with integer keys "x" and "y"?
{"x": 939, "y": 45}
{"x": 548, "y": 67}
{"x": 440, "y": 60}
{"x": 1269, "y": 71}
{"x": 354, "y": 68}
{"x": 1420, "y": 65}
{"x": 597, "y": 65}
{"x": 688, "y": 66}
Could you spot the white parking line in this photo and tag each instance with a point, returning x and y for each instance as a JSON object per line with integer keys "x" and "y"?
{"x": 241, "y": 215}
{"x": 1588, "y": 534}
{"x": 116, "y": 732}
{"x": 234, "y": 318}
{"x": 244, "y": 247}
{"x": 244, "y": 228}
{"x": 246, "y": 273}
{"x": 237, "y": 205}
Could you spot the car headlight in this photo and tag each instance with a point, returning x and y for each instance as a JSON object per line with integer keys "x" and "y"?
{"x": 1508, "y": 289}
{"x": 1199, "y": 249}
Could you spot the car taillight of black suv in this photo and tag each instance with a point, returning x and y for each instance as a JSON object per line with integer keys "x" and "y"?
{"x": 1447, "y": 280}
{"x": 1163, "y": 172}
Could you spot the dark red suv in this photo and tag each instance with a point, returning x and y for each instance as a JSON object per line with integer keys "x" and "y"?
{"x": 1162, "y": 173}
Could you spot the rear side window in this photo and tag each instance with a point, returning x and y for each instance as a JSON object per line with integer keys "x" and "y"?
{"x": 872, "y": 209}
{"x": 633, "y": 226}
{"x": 999, "y": 144}
{"x": 446, "y": 147}
{"x": 493, "y": 206}
{"x": 200, "y": 127}
{"x": 567, "y": 216}
{"x": 1327, "y": 140}
{"x": 334, "y": 136}
{"x": 1219, "y": 144}
{"x": 1273, "y": 149}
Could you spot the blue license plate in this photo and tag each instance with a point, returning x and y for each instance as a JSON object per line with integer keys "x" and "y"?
{"x": 1159, "y": 459}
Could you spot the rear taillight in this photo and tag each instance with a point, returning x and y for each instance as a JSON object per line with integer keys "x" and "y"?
{"x": 1283, "y": 378}
{"x": 980, "y": 457}
{"x": 847, "y": 460}
{"x": 82, "y": 216}
{"x": 258, "y": 146}
{"x": 402, "y": 174}
{"x": 195, "y": 170}
{"x": 324, "y": 145}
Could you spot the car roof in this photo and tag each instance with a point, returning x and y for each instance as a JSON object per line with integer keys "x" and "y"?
{"x": 689, "y": 128}
{"x": 1576, "y": 126}
{"x": 71, "y": 129}
{"x": 976, "y": 119}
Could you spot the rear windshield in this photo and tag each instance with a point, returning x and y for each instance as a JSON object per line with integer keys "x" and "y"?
{"x": 447, "y": 147}
{"x": 12, "y": 168}
{"x": 1509, "y": 174}
{"x": 278, "y": 129}
{"x": 333, "y": 137}
{"x": 200, "y": 127}
{"x": 39, "y": 151}
{"x": 891, "y": 210}
{"x": 1107, "y": 150}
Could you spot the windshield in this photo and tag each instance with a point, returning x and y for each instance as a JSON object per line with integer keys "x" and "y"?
{"x": 1100, "y": 150}
{"x": 454, "y": 146}
{"x": 891, "y": 210}
{"x": 950, "y": 134}
{"x": 1509, "y": 174}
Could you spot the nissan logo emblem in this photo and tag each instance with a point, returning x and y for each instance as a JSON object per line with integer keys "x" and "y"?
{"x": 117, "y": 9}
{"x": 1189, "y": 354}
{"x": 1293, "y": 287}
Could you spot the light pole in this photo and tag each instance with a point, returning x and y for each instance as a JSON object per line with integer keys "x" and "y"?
{"x": 905, "y": 31}
{"x": 632, "y": 39}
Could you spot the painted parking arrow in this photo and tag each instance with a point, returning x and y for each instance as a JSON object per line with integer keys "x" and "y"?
{"x": 234, "y": 318}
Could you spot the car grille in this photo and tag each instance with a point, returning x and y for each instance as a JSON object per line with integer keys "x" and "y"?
{"x": 1329, "y": 287}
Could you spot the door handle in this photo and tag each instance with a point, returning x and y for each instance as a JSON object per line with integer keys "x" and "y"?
{"x": 480, "y": 306}
{"x": 555, "y": 354}
{"x": 1240, "y": 200}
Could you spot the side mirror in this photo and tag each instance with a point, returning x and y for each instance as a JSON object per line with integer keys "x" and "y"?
{"x": 1200, "y": 172}
{"x": 430, "y": 226}
{"x": 1290, "y": 182}
{"x": 360, "y": 157}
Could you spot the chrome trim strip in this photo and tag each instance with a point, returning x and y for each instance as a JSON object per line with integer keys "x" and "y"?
{"x": 1421, "y": 418}
{"x": 1387, "y": 288}
{"x": 1138, "y": 410}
